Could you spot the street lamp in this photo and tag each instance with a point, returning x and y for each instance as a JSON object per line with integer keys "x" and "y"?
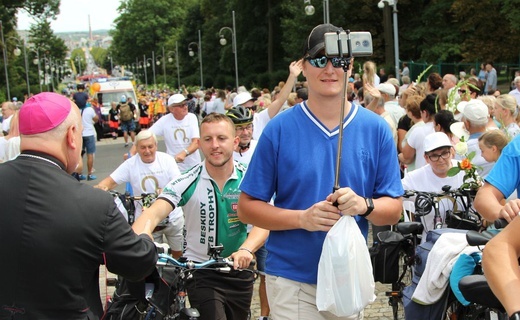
{"x": 37, "y": 62}
{"x": 17, "y": 53}
{"x": 382, "y": 5}
{"x": 111, "y": 65}
{"x": 234, "y": 44}
{"x": 191, "y": 53}
{"x": 78, "y": 60}
{"x": 145, "y": 64}
{"x": 4, "y": 52}
{"x": 170, "y": 60}
{"x": 153, "y": 70}
{"x": 309, "y": 10}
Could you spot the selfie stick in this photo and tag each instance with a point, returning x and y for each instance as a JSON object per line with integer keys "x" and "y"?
{"x": 345, "y": 63}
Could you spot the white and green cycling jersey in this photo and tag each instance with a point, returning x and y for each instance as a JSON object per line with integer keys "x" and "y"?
{"x": 210, "y": 214}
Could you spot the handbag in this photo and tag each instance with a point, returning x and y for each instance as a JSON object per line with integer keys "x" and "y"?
{"x": 345, "y": 280}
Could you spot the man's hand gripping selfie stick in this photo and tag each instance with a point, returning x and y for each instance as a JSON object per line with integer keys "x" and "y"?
{"x": 345, "y": 64}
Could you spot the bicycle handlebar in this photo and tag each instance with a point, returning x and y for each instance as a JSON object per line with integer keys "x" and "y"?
{"x": 501, "y": 223}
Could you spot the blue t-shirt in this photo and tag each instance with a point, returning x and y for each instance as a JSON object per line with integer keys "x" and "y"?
{"x": 295, "y": 159}
{"x": 505, "y": 175}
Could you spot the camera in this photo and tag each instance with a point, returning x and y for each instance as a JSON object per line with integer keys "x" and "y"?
{"x": 361, "y": 43}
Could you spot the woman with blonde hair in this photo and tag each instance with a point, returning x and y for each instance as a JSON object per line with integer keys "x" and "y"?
{"x": 369, "y": 73}
{"x": 506, "y": 112}
{"x": 490, "y": 102}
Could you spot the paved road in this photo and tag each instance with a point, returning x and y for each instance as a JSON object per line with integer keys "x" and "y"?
{"x": 109, "y": 156}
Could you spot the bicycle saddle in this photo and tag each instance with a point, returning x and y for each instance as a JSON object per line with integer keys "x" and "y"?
{"x": 476, "y": 238}
{"x": 475, "y": 289}
{"x": 410, "y": 227}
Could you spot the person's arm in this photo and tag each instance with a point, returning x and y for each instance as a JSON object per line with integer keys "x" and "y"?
{"x": 243, "y": 256}
{"x": 387, "y": 210}
{"x": 156, "y": 213}
{"x": 193, "y": 147}
{"x": 294, "y": 71}
{"x": 407, "y": 155}
{"x": 500, "y": 265}
{"x": 106, "y": 184}
{"x": 319, "y": 217}
{"x": 489, "y": 203}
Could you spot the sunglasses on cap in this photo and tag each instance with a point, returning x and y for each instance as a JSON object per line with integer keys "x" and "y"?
{"x": 321, "y": 62}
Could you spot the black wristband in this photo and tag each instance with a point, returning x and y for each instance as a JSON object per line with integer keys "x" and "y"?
{"x": 515, "y": 316}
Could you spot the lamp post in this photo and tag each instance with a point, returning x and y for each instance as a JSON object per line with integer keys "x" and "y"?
{"x": 4, "y": 52}
{"x": 309, "y": 10}
{"x": 111, "y": 65}
{"x": 78, "y": 60}
{"x": 17, "y": 53}
{"x": 151, "y": 62}
{"x": 233, "y": 43}
{"x": 37, "y": 62}
{"x": 385, "y": 5}
{"x": 145, "y": 63}
{"x": 191, "y": 53}
{"x": 170, "y": 60}
{"x": 153, "y": 70}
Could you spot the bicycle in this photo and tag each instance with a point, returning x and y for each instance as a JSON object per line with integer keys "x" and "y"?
{"x": 408, "y": 235}
{"x": 126, "y": 203}
{"x": 483, "y": 303}
{"x": 163, "y": 294}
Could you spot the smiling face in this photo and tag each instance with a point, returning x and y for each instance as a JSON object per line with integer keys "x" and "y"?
{"x": 323, "y": 82}
{"x": 217, "y": 142}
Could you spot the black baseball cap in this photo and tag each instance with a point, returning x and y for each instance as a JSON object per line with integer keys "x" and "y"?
{"x": 316, "y": 40}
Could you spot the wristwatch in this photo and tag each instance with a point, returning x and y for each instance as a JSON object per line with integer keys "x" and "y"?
{"x": 370, "y": 207}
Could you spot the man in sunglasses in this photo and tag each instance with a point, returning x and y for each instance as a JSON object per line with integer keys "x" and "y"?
{"x": 180, "y": 130}
{"x": 295, "y": 161}
{"x": 438, "y": 153}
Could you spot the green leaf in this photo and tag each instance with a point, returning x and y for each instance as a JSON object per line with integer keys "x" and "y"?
{"x": 453, "y": 171}
{"x": 471, "y": 155}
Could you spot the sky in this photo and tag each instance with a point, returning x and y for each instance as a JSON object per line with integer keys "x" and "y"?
{"x": 74, "y": 15}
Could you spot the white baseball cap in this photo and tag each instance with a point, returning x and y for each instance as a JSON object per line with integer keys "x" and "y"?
{"x": 436, "y": 140}
{"x": 476, "y": 112}
{"x": 387, "y": 88}
{"x": 242, "y": 98}
{"x": 176, "y": 98}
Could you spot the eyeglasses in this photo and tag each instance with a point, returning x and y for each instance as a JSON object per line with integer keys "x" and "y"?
{"x": 249, "y": 127}
{"x": 321, "y": 62}
{"x": 183, "y": 104}
{"x": 462, "y": 91}
{"x": 435, "y": 157}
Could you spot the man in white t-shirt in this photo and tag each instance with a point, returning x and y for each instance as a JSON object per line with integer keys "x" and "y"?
{"x": 180, "y": 130}
{"x": 88, "y": 117}
{"x": 438, "y": 154}
{"x": 149, "y": 172}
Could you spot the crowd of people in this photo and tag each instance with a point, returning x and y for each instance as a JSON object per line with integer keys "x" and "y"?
{"x": 254, "y": 170}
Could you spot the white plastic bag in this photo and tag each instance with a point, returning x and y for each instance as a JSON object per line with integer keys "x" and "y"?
{"x": 345, "y": 279}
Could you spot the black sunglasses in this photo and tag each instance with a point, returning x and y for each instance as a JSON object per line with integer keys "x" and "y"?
{"x": 321, "y": 62}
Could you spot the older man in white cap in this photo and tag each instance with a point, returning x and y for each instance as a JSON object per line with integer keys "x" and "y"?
{"x": 55, "y": 231}
{"x": 388, "y": 93}
{"x": 474, "y": 119}
{"x": 438, "y": 153}
{"x": 180, "y": 130}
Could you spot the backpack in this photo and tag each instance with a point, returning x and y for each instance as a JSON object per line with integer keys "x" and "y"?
{"x": 125, "y": 112}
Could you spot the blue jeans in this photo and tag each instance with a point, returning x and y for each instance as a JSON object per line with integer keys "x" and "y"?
{"x": 128, "y": 126}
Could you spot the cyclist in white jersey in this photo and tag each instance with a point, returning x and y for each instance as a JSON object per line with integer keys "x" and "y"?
{"x": 208, "y": 193}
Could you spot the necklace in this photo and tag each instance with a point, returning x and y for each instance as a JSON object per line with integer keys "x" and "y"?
{"x": 41, "y": 158}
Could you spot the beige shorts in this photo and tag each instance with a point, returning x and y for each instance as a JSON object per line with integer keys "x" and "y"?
{"x": 173, "y": 234}
{"x": 291, "y": 300}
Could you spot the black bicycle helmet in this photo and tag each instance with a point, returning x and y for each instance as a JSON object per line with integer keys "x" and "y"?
{"x": 240, "y": 115}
